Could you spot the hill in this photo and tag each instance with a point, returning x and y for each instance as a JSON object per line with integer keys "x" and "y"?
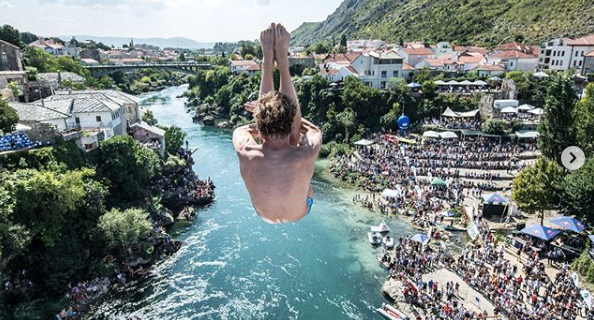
{"x": 184, "y": 43}
{"x": 485, "y": 22}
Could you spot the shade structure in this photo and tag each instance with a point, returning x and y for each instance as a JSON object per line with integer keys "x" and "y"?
{"x": 414, "y": 85}
{"x": 466, "y": 83}
{"x": 447, "y": 213}
{"x": 448, "y": 135}
{"x": 440, "y": 82}
{"x": 495, "y": 78}
{"x": 389, "y": 193}
{"x": 532, "y": 134}
{"x": 509, "y": 110}
{"x": 537, "y": 111}
{"x": 541, "y": 232}
{"x": 526, "y": 107}
{"x": 452, "y": 83}
{"x": 591, "y": 237}
{"x": 21, "y": 127}
{"x": 431, "y": 134}
{"x": 420, "y": 238}
{"x": 479, "y": 83}
{"x": 569, "y": 223}
{"x": 438, "y": 182}
{"x": 364, "y": 142}
{"x": 541, "y": 75}
{"x": 383, "y": 227}
{"x": 493, "y": 198}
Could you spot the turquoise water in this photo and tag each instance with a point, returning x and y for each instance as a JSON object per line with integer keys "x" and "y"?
{"x": 234, "y": 266}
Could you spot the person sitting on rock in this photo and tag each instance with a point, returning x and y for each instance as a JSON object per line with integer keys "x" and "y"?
{"x": 277, "y": 170}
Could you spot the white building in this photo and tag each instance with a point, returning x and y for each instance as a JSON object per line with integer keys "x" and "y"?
{"x": 50, "y": 46}
{"x": 442, "y": 48}
{"x": 414, "y": 55}
{"x": 365, "y": 45}
{"x": 565, "y": 53}
{"x": 514, "y": 61}
{"x": 240, "y": 66}
{"x": 128, "y": 102}
{"x": 373, "y": 69}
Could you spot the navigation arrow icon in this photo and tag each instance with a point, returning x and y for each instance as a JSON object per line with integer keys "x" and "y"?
{"x": 573, "y": 157}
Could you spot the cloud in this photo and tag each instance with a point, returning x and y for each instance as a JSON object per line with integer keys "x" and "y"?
{"x": 263, "y": 2}
{"x": 6, "y": 4}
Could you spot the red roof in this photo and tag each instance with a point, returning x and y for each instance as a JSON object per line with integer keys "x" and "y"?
{"x": 583, "y": 41}
{"x": 408, "y": 67}
{"x": 490, "y": 67}
{"x": 346, "y": 58}
{"x": 352, "y": 70}
{"x": 435, "y": 62}
{"x": 589, "y": 54}
{"x": 244, "y": 63}
{"x": 470, "y": 57}
{"x": 480, "y": 50}
{"x": 418, "y": 51}
{"x": 512, "y": 55}
{"x": 514, "y": 46}
{"x": 255, "y": 67}
{"x": 330, "y": 71}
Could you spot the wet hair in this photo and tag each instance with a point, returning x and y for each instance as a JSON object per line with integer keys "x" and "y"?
{"x": 274, "y": 115}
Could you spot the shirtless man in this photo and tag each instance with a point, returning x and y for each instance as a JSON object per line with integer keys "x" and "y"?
{"x": 277, "y": 170}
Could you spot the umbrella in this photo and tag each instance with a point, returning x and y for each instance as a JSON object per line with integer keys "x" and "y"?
{"x": 421, "y": 238}
{"x": 495, "y": 197}
{"x": 537, "y": 111}
{"x": 466, "y": 83}
{"x": 495, "y": 78}
{"x": 414, "y": 85}
{"x": 591, "y": 237}
{"x": 448, "y": 135}
{"x": 509, "y": 110}
{"x": 525, "y": 107}
{"x": 448, "y": 213}
{"x": 541, "y": 75}
{"x": 440, "y": 82}
{"x": 542, "y": 232}
{"x": 431, "y": 134}
{"x": 438, "y": 182}
{"x": 569, "y": 223}
{"x": 479, "y": 83}
{"x": 452, "y": 83}
{"x": 364, "y": 142}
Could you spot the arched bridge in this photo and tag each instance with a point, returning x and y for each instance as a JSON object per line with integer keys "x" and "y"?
{"x": 99, "y": 70}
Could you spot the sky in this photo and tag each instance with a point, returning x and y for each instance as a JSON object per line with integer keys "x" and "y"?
{"x": 201, "y": 20}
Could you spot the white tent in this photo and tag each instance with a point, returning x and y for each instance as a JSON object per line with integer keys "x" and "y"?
{"x": 495, "y": 78}
{"x": 22, "y": 127}
{"x": 364, "y": 142}
{"x": 479, "y": 83}
{"x": 537, "y": 111}
{"x": 452, "y": 83}
{"x": 509, "y": 110}
{"x": 440, "y": 82}
{"x": 526, "y": 107}
{"x": 541, "y": 75}
{"x": 448, "y": 135}
{"x": 383, "y": 227}
{"x": 389, "y": 193}
{"x": 527, "y": 134}
{"x": 431, "y": 134}
{"x": 466, "y": 83}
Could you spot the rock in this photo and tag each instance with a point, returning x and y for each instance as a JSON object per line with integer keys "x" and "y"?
{"x": 166, "y": 218}
{"x": 199, "y": 116}
{"x": 224, "y": 125}
{"x": 394, "y": 289}
{"x": 208, "y": 121}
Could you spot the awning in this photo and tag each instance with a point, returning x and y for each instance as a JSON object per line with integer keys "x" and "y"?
{"x": 527, "y": 134}
{"x": 541, "y": 232}
{"x": 452, "y": 83}
{"x": 494, "y": 198}
{"x": 466, "y": 83}
{"x": 453, "y": 114}
{"x": 21, "y": 127}
{"x": 364, "y": 142}
{"x": 479, "y": 83}
{"x": 438, "y": 182}
{"x": 448, "y": 135}
{"x": 450, "y": 113}
{"x": 537, "y": 111}
{"x": 414, "y": 85}
{"x": 569, "y": 223}
{"x": 509, "y": 110}
{"x": 431, "y": 134}
{"x": 421, "y": 238}
{"x": 440, "y": 82}
{"x": 526, "y": 107}
{"x": 541, "y": 75}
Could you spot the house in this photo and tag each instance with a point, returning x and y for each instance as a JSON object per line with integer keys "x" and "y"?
{"x": 514, "y": 60}
{"x": 365, "y": 45}
{"x": 488, "y": 70}
{"x": 516, "y": 46}
{"x": 306, "y": 61}
{"x": 414, "y": 55}
{"x": 31, "y": 113}
{"x": 18, "y": 77}
{"x": 588, "y": 64}
{"x": 442, "y": 48}
{"x": 239, "y": 66}
{"x": 375, "y": 69}
{"x": 408, "y": 71}
{"x": 149, "y": 136}
{"x": 10, "y": 57}
{"x": 54, "y": 79}
{"x": 128, "y": 102}
{"x": 339, "y": 60}
{"x": 252, "y": 70}
{"x": 50, "y": 46}
{"x": 90, "y": 54}
{"x": 453, "y": 62}
{"x": 480, "y": 50}
{"x": 565, "y": 53}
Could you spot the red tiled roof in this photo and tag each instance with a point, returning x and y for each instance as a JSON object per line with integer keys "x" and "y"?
{"x": 342, "y": 57}
{"x": 418, "y": 51}
{"x": 408, "y": 67}
{"x": 435, "y": 62}
{"x": 330, "y": 71}
{"x": 513, "y": 55}
{"x": 352, "y": 70}
{"x": 244, "y": 63}
{"x": 589, "y": 54}
{"x": 470, "y": 57}
{"x": 513, "y": 46}
{"x": 480, "y": 50}
{"x": 583, "y": 41}
{"x": 490, "y": 67}
{"x": 255, "y": 67}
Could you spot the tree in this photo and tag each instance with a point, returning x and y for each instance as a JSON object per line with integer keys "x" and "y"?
{"x": 123, "y": 228}
{"x": 585, "y": 121}
{"x": 174, "y": 138}
{"x": 8, "y": 117}
{"x": 28, "y": 37}
{"x": 537, "y": 188}
{"x": 129, "y": 168}
{"x": 346, "y": 119}
{"x": 556, "y": 130}
{"x": 579, "y": 192}
{"x": 10, "y": 35}
{"x": 343, "y": 41}
{"x": 182, "y": 57}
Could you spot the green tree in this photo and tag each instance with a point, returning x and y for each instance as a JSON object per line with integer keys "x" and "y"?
{"x": 8, "y": 117}
{"x": 579, "y": 192}
{"x": 585, "y": 121}
{"x": 10, "y": 35}
{"x": 343, "y": 40}
{"x": 174, "y": 138}
{"x": 346, "y": 119}
{"x": 556, "y": 130}
{"x": 538, "y": 188}
{"x": 123, "y": 228}
{"x": 129, "y": 168}
{"x": 28, "y": 37}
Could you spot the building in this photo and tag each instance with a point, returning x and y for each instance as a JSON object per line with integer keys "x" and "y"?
{"x": 453, "y": 62}
{"x": 365, "y": 45}
{"x": 239, "y": 66}
{"x": 588, "y": 64}
{"x": 338, "y": 60}
{"x": 50, "y": 46}
{"x": 11, "y": 70}
{"x": 128, "y": 102}
{"x": 565, "y": 53}
{"x": 414, "y": 55}
{"x": 90, "y": 54}
{"x": 31, "y": 113}
{"x": 306, "y": 61}
{"x": 54, "y": 79}
{"x": 10, "y": 57}
{"x": 149, "y": 136}
{"x": 488, "y": 70}
{"x": 514, "y": 60}
{"x": 442, "y": 48}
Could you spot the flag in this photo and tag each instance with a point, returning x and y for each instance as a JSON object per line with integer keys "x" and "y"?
{"x": 587, "y": 297}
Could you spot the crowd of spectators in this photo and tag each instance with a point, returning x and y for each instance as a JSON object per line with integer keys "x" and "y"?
{"x": 453, "y": 123}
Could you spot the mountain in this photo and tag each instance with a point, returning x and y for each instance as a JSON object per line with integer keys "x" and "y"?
{"x": 485, "y": 22}
{"x": 184, "y": 43}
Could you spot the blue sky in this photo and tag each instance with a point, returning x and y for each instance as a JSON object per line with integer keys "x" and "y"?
{"x": 201, "y": 20}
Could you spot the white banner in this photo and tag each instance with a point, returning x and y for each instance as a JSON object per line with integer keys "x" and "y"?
{"x": 576, "y": 279}
{"x": 587, "y": 298}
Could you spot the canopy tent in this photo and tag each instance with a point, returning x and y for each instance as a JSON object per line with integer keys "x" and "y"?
{"x": 527, "y": 134}
{"x": 495, "y": 78}
{"x": 383, "y": 227}
{"x": 21, "y": 127}
{"x": 421, "y": 238}
{"x": 569, "y": 223}
{"x": 537, "y": 111}
{"x": 389, "y": 193}
{"x": 494, "y": 198}
{"x": 541, "y": 75}
{"x": 453, "y": 114}
{"x": 448, "y": 135}
{"x": 447, "y": 213}
{"x": 541, "y": 232}
{"x": 466, "y": 83}
{"x": 440, "y": 82}
{"x": 526, "y": 107}
{"x": 364, "y": 142}
{"x": 509, "y": 110}
{"x": 438, "y": 182}
{"x": 480, "y": 83}
{"x": 449, "y": 113}
{"x": 414, "y": 85}
{"x": 452, "y": 83}
{"x": 431, "y": 134}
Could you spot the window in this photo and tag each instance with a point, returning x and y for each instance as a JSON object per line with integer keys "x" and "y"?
{"x": 563, "y": 54}
{"x": 98, "y": 118}
{"x": 576, "y": 53}
{"x": 395, "y": 74}
{"x": 383, "y": 85}
{"x": 77, "y": 120}
{"x": 384, "y": 74}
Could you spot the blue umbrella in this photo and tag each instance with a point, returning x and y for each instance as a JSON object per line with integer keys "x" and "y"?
{"x": 569, "y": 223}
{"x": 422, "y": 238}
{"x": 542, "y": 232}
{"x": 495, "y": 197}
{"x": 591, "y": 237}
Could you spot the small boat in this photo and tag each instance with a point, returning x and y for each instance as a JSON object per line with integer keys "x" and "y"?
{"x": 383, "y": 227}
{"x": 391, "y": 313}
{"x": 388, "y": 242}
{"x": 375, "y": 238}
{"x": 454, "y": 229}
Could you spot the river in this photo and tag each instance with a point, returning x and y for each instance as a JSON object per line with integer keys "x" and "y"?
{"x": 234, "y": 266}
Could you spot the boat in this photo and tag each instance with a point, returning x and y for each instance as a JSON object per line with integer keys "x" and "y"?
{"x": 388, "y": 242}
{"x": 383, "y": 227}
{"x": 375, "y": 238}
{"x": 391, "y": 313}
{"x": 454, "y": 229}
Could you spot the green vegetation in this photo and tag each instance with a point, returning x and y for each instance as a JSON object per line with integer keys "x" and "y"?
{"x": 175, "y": 138}
{"x": 478, "y": 22}
{"x": 123, "y": 228}
{"x": 585, "y": 264}
{"x": 8, "y": 117}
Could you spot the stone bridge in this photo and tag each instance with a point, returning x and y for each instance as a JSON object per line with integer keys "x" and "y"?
{"x": 99, "y": 70}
